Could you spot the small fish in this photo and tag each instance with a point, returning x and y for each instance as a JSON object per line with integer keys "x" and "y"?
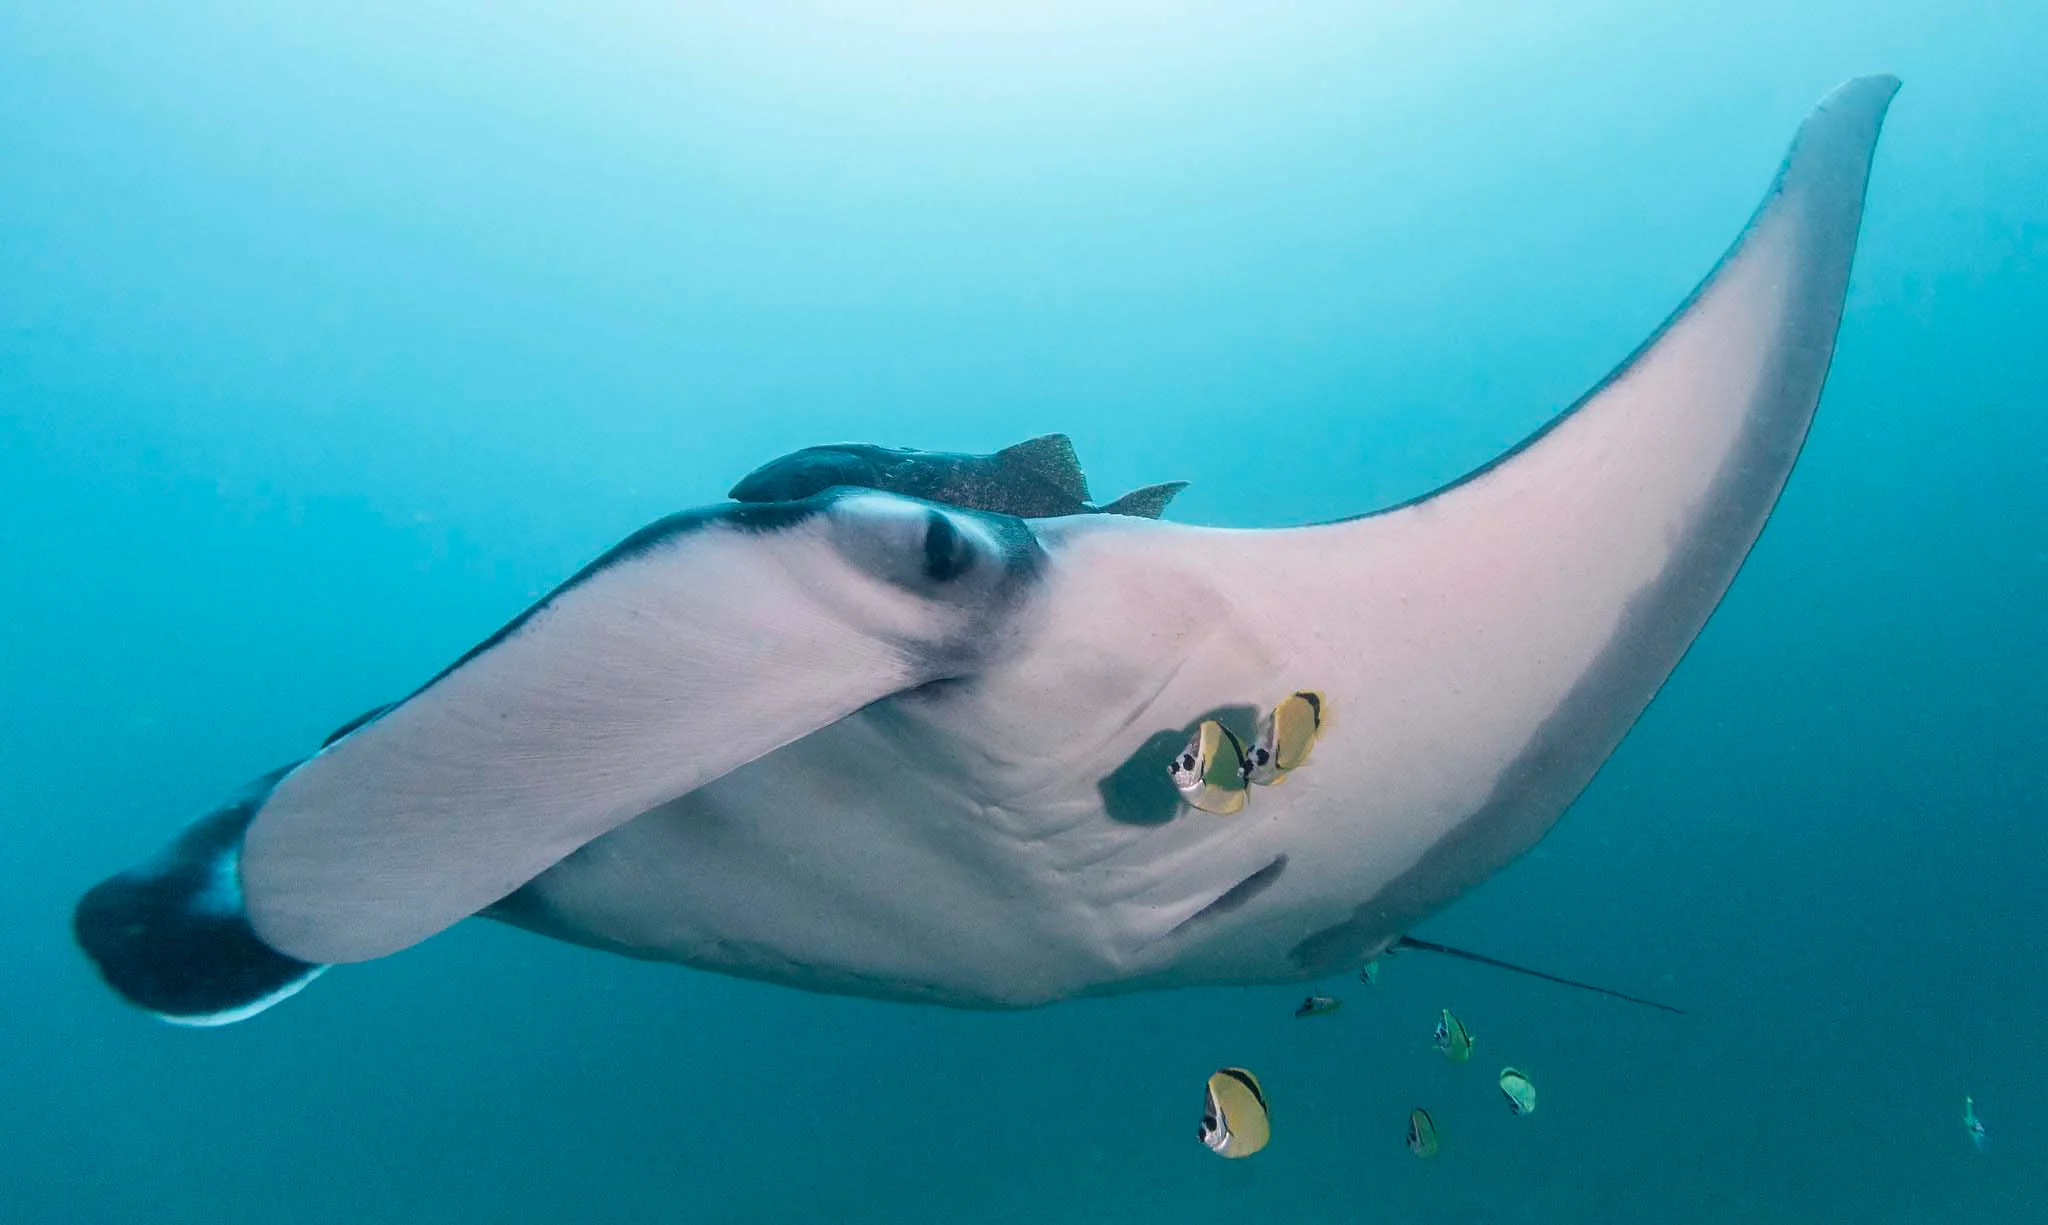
{"x": 1210, "y": 771}
{"x": 1318, "y": 1006}
{"x": 1973, "y": 1124}
{"x": 1286, "y": 736}
{"x": 1453, "y": 1039}
{"x": 1421, "y": 1133}
{"x": 1370, "y": 975}
{"x": 1234, "y": 1118}
{"x": 1521, "y": 1093}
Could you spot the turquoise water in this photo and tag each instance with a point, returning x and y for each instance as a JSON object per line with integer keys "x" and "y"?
{"x": 331, "y": 336}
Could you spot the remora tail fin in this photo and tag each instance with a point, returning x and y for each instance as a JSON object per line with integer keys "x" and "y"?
{"x": 1147, "y": 503}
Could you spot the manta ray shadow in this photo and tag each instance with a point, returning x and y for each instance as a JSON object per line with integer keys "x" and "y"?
{"x": 1139, "y": 792}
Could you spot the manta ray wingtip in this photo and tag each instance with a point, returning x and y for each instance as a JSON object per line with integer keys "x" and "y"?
{"x": 171, "y": 935}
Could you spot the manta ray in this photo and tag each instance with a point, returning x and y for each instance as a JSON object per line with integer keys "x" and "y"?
{"x": 847, "y": 738}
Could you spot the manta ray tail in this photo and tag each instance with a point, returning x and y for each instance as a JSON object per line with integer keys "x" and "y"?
{"x": 171, "y": 935}
{"x": 1147, "y": 503}
{"x": 1425, "y": 946}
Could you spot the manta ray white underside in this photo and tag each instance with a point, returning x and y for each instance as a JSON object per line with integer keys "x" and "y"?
{"x": 868, "y": 744}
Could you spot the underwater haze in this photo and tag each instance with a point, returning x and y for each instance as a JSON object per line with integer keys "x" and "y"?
{"x": 333, "y": 335}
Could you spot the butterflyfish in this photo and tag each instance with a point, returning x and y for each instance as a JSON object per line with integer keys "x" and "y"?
{"x": 1210, "y": 771}
{"x": 1452, "y": 1038}
{"x": 1286, "y": 736}
{"x": 1521, "y": 1094}
{"x": 1234, "y": 1118}
{"x": 1421, "y": 1133}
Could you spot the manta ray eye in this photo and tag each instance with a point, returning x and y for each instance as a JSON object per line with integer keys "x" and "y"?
{"x": 948, "y": 553}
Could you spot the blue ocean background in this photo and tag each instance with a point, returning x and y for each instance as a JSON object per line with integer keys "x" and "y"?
{"x": 331, "y": 335}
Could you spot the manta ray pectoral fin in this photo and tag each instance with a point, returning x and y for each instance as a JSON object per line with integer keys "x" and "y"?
{"x": 1520, "y": 619}
{"x": 698, "y": 644}
{"x": 1490, "y": 643}
{"x": 171, "y": 934}
{"x": 1427, "y": 946}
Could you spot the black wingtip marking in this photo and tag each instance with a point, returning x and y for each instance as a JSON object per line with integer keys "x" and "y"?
{"x": 170, "y": 935}
{"x": 1426, "y": 946}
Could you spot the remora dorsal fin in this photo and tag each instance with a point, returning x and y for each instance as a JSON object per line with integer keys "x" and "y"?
{"x": 1051, "y": 459}
{"x": 1426, "y": 946}
{"x": 1147, "y": 503}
